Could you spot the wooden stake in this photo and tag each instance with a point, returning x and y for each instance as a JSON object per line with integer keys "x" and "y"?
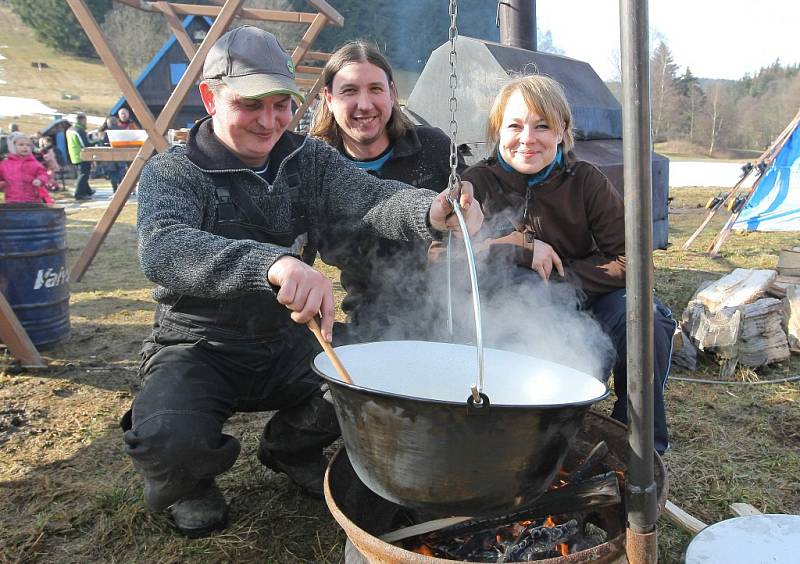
{"x": 13, "y": 334}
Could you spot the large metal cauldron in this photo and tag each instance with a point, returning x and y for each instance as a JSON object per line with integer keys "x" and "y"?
{"x": 415, "y": 439}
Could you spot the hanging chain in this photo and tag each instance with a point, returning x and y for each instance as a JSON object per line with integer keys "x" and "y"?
{"x": 454, "y": 181}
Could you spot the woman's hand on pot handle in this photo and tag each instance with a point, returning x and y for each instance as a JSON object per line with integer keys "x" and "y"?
{"x": 545, "y": 259}
{"x": 304, "y": 291}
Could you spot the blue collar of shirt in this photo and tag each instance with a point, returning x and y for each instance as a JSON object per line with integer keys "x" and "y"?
{"x": 374, "y": 164}
{"x": 540, "y": 176}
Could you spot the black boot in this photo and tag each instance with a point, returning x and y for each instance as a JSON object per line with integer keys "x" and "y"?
{"x": 201, "y": 513}
{"x": 306, "y": 472}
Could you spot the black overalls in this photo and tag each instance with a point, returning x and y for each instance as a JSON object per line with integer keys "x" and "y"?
{"x": 208, "y": 359}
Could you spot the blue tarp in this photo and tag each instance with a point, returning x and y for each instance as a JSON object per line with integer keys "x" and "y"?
{"x": 775, "y": 203}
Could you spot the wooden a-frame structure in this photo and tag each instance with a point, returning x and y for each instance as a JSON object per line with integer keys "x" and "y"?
{"x": 12, "y": 333}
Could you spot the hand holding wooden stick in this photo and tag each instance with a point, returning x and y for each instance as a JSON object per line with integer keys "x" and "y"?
{"x": 326, "y": 346}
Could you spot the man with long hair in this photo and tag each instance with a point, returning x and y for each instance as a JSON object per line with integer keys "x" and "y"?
{"x": 390, "y": 289}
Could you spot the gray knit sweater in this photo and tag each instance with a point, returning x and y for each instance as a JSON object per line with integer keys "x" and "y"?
{"x": 177, "y": 212}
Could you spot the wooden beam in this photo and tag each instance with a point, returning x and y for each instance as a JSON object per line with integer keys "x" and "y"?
{"x": 180, "y": 33}
{"x": 187, "y": 81}
{"x": 308, "y": 38}
{"x": 317, "y": 56}
{"x": 328, "y": 11}
{"x": 246, "y": 13}
{"x": 310, "y": 97}
{"x": 112, "y": 62}
{"x": 682, "y": 519}
{"x": 306, "y": 82}
{"x": 307, "y": 70}
{"x": 13, "y": 334}
{"x": 174, "y": 103}
{"x": 108, "y": 154}
{"x": 744, "y": 509}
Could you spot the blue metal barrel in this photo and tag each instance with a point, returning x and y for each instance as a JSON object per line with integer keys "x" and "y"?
{"x": 33, "y": 275}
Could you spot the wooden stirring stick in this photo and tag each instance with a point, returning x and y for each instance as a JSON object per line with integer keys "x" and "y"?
{"x": 326, "y": 346}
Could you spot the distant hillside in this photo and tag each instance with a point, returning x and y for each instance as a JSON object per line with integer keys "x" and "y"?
{"x": 67, "y": 83}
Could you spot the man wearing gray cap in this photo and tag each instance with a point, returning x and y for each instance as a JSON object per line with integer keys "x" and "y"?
{"x": 228, "y": 230}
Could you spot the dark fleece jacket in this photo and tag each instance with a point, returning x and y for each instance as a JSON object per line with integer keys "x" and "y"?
{"x": 576, "y": 210}
{"x": 388, "y": 284}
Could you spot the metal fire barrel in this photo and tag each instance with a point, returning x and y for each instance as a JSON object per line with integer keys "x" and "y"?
{"x": 33, "y": 274}
{"x": 484, "y": 66}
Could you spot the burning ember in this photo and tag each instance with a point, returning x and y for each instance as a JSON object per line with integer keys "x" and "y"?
{"x": 524, "y": 541}
{"x": 535, "y": 532}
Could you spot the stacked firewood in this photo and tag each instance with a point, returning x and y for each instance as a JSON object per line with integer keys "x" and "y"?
{"x": 788, "y": 272}
{"x": 738, "y": 320}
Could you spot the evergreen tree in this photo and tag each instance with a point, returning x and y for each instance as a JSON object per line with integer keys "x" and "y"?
{"x": 55, "y": 25}
{"x": 688, "y": 87}
{"x": 665, "y": 95}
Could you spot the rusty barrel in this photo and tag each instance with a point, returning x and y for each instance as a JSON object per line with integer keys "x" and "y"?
{"x": 33, "y": 275}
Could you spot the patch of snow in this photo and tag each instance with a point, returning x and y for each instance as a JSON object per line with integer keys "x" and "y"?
{"x": 12, "y": 106}
{"x": 706, "y": 173}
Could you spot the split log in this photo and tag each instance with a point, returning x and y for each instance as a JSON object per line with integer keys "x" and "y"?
{"x": 742, "y": 286}
{"x": 778, "y": 288}
{"x": 595, "y": 492}
{"x": 791, "y": 305}
{"x": 763, "y": 340}
{"x": 713, "y": 332}
{"x": 789, "y": 262}
{"x": 599, "y": 491}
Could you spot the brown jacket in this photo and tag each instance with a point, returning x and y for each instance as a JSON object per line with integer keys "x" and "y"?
{"x": 576, "y": 210}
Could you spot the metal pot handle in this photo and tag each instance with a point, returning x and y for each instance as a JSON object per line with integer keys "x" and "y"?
{"x": 476, "y": 395}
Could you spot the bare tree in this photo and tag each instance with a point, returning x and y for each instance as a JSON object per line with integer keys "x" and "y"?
{"x": 135, "y": 35}
{"x": 717, "y": 111}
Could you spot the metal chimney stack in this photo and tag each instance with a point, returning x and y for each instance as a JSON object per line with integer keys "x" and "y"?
{"x": 517, "y": 22}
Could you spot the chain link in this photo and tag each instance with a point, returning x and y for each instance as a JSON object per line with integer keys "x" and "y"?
{"x": 454, "y": 181}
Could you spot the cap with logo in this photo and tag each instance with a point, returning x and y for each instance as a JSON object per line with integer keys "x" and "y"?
{"x": 251, "y": 62}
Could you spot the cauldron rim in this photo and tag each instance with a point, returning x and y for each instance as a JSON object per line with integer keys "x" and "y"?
{"x": 334, "y": 379}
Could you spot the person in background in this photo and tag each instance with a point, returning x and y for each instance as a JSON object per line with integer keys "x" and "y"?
{"x": 550, "y": 212}
{"x": 77, "y": 139}
{"x": 114, "y": 170}
{"x": 388, "y": 282}
{"x": 228, "y": 229}
{"x": 23, "y": 178}
{"x": 47, "y": 156}
{"x": 125, "y": 120}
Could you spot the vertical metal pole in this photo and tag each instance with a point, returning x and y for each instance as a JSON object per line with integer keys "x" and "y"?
{"x": 517, "y": 22}
{"x": 636, "y": 143}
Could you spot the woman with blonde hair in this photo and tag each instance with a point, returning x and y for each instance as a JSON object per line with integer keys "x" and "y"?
{"x": 548, "y": 211}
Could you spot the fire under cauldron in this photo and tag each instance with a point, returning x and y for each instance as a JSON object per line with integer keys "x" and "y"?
{"x": 365, "y": 516}
{"x": 416, "y": 438}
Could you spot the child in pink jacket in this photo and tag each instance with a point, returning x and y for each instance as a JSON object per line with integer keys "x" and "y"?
{"x": 23, "y": 178}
